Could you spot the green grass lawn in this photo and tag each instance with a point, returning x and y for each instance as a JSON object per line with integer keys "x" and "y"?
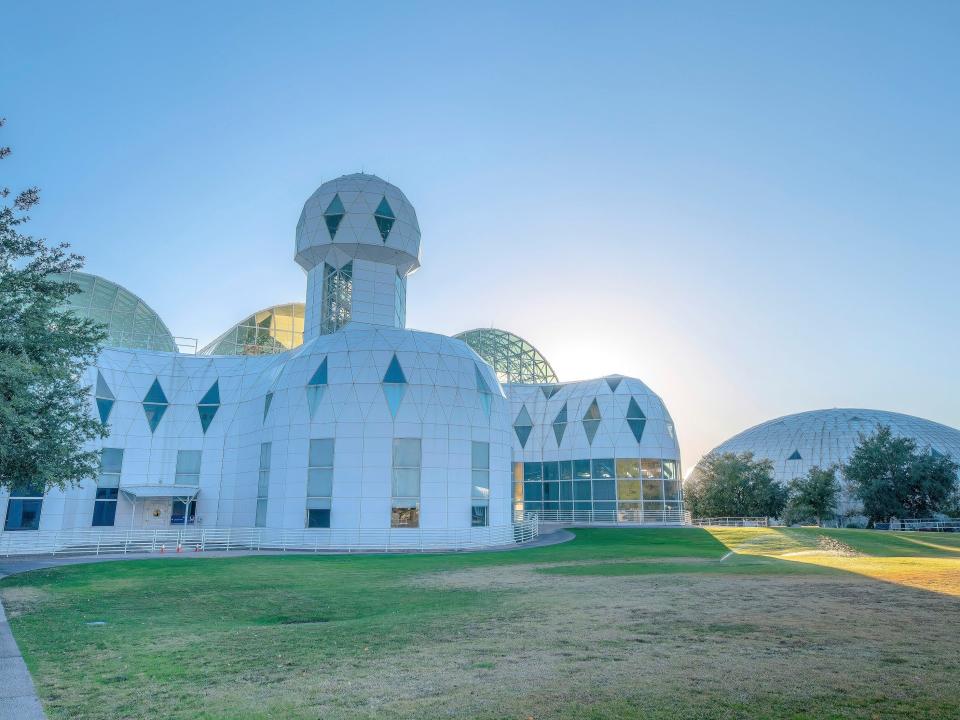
{"x": 617, "y": 623}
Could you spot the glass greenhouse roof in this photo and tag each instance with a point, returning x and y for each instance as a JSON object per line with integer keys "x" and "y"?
{"x": 266, "y": 332}
{"x": 512, "y": 358}
{"x": 130, "y": 321}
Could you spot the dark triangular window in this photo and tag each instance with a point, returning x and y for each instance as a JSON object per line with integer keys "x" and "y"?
{"x": 212, "y": 396}
{"x": 319, "y": 377}
{"x": 614, "y": 382}
{"x": 522, "y": 426}
{"x": 385, "y": 218}
{"x": 636, "y": 419}
{"x": 155, "y": 405}
{"x": 560, "y": 424}
{"x": 591, "y": 421}
{"x": 795, "y": 456}
{"x": 550, "y": 390}
{"x": 333, "y": 215}
{"x": 484, "y": 389}
{"x": 104, "y": 397}
{"x": 394, "y": 372}
{"x": 267, "y": 400}
{"x": 208, "y": 405}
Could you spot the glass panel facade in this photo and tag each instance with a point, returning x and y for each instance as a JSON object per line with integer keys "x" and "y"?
{"x": 480, "y": 484}
{"x": 511, "y": 357}
{"x": 319, "y": 483}
{"x": 337, "y": 297}
{"x": 188, "y": 467}
{"x": 405, "y": 511}
{"x": 105, "y": 505}
{"x": 23, "y": 509}
{"x": 130, "y": 321}
{"x": 628, "y": 488}
{"x": 272, "y": 330}
{"x": 263, "y": 484}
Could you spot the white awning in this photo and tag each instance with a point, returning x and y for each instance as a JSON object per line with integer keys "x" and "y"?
{"x": 139, "y": 492}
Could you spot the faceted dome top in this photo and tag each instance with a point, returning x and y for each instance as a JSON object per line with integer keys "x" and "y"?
{"x": 358, "y": 216}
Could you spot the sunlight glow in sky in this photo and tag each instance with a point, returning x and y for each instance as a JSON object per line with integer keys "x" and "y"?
{"x": 753, "y": 207}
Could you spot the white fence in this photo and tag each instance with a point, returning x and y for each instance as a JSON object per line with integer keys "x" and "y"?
{"x": 928, "y": 525}
{"x": 616, "y": 517}
{"x": 732, "y": 522}
{"x": 100, "y": 542}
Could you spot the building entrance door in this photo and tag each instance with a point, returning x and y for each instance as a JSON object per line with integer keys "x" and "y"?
{"x": 156, "y": 513}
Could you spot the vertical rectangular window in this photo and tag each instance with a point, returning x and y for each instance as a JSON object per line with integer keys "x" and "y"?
{"x": 337, "y": 299}
{"x": 263, "y": 484}
{"x": 518, "y": 491}
{"x": 480, "y": 491}
{"x": 23, "y": 508}
{"x": 405, "y": 506}
{"x": 108, "y": 484}
{"x": 319, "y": 483}
{"x": 188, "y": 468}
{"x": 183, "y": 513}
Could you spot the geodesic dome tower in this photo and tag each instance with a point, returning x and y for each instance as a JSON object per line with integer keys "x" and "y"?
{"x": 358, "y": 239}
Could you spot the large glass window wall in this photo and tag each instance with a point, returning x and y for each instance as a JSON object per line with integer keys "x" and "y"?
{"x": 614, "y": 489}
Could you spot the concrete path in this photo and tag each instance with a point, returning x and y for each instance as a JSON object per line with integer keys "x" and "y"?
{"x": 18, "y": 699}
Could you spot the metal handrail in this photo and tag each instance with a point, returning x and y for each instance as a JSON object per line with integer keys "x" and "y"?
{"x": 100, "y": 542}
{"x": 731, "y": 522}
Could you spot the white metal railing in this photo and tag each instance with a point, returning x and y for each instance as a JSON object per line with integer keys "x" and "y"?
{"x": 927, "y": 524}
{"x": 100, "y": 542}
{"x": 617, "y": 517}
{"x": 732, "y": 522}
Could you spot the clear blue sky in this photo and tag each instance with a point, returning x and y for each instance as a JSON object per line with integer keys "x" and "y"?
{"x": 752, "y": 206}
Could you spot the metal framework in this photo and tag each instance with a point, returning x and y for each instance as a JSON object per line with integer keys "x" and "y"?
{"x": 267, "y": 332}
{"x": 130, "y": 321}
{"x": 513, "y": 359}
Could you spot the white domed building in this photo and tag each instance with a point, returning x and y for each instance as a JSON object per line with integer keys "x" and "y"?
{"x": 330, "y": 425}
{"x": 822, "y": 438}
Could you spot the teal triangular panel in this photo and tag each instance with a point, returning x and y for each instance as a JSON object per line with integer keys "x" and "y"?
{"x": 207, "y": 413}
{"x": 212, "y": 396}
{"x": 590, "y": 428}
{"x": 267, "y": 399}
{"x": 614, "y": 382}
{"x": 634, "y": 412}
{"x": 523, "y": 418}
{"x": 395, "y": 373}
{"x": 155, "y": 394}
{"x": 560, "y": 424}
{"x": 320, "y": 375}
{"x": 104, "y": 406}
{"x": 384, "y": 210}
{"x": 481, "y": 383}
{"x": 384, "y": 225}
{"x": 795, "y": 456}
{"x": 314, "y": 396}
{"x": 593, "y": 412}
{"x": 103, "y": 390}
{"x": 523, "y": 432}
{"x": 335, "y": 207}
{"x": 485, "y": 403}
{"x": 394, "y": 394}
{"x": 154, "y": 413}
{"x": 636, "y": 427}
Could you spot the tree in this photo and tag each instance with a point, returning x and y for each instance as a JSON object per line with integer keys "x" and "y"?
{"x": 813, "y": 496}
{"x": 893, "y": 479}
{"x": 730, "y": 485}
{"x": 45, "y": 414}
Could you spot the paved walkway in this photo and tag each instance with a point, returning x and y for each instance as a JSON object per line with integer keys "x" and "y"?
{"x": 18, "y": 699}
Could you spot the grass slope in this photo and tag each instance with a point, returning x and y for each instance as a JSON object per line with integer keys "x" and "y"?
{"x": 617, "y": 623}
